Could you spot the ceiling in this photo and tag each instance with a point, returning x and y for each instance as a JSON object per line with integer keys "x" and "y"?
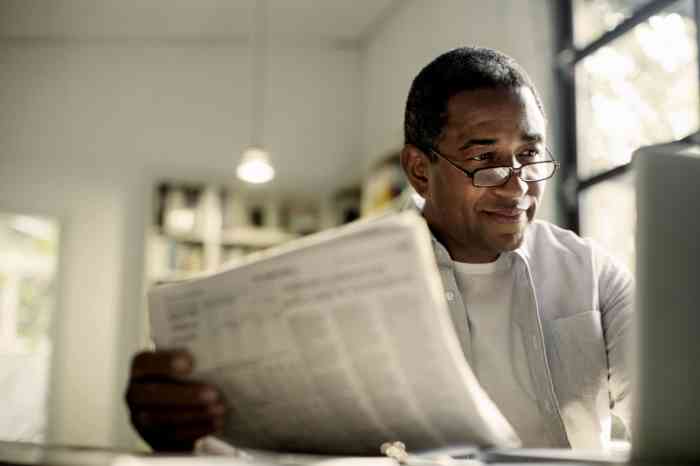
{"x": 336, "y": 20}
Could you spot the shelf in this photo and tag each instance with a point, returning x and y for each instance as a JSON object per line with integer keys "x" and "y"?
{"x": 183, "y": 237}
{"x": 255, "y": 237}
{"x": 197, "y": 228}
{"x": 175, "y": 276}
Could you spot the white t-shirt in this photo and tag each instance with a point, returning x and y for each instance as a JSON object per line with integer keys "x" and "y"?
{"x": 499, "y": 360}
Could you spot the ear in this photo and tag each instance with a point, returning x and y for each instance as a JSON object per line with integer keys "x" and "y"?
{"x": 415, "y": 165}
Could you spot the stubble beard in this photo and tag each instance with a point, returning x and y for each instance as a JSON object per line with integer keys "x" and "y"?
{"x": 507, "y": 238}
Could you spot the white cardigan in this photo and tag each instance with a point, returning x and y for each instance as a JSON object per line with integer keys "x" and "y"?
{"x": 576, "y": 320}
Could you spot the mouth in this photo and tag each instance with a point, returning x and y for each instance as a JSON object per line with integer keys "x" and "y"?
{"x": 509, "y": 215}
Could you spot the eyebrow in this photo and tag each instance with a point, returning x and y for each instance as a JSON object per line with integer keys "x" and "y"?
{"x": 532, "y": 138}
{"x": 478, "y": 142}
{"x": 527, "y": 137}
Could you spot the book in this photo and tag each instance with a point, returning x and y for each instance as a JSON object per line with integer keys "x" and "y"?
{"x": 333, "y": 344}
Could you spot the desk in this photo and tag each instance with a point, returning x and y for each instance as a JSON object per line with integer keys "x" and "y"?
{"x": 25, "y": 454}
{"x": 20, "y": 453}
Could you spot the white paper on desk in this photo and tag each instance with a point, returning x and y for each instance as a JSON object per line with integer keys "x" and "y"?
{"x": 335, "y": 344}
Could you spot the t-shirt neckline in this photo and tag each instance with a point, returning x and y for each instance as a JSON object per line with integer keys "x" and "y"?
{"x": 502, "y": 263}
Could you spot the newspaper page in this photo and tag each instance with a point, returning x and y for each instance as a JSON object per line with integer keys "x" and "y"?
{"x": 334, "y": 345}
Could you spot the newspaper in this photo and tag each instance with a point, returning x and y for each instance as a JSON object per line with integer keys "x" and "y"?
{"x": 334, "y": 344}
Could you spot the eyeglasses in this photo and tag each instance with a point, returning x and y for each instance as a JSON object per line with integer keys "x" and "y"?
{"x": 492, "y": 177}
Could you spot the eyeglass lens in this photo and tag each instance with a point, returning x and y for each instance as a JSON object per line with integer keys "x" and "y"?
{"x": 498, "y": 175}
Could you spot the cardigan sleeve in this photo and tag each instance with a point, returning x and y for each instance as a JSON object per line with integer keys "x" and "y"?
{"x": 616, "y": 295}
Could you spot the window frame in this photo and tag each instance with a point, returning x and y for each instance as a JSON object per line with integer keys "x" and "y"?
{"x": 568, "y": 57}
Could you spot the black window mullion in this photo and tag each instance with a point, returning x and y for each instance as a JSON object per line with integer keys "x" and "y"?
{"x": 696, "y": 17}
{"x": 567, "y": 107}
{"x": 586, "y": 183}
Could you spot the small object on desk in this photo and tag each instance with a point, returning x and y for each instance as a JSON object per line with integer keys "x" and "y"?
{"x": 395, "y": 450}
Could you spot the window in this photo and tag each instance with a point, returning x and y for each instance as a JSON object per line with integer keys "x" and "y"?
{"x": 28, "y": 258}
{"x": 632, "y": 76}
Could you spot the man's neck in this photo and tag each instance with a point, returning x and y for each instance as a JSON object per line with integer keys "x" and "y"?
{"x": 459, "y": 253}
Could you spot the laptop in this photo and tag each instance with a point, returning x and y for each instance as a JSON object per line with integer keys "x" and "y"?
{"x": 667, "y": 425}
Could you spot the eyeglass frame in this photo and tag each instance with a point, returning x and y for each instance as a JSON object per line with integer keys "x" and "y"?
{"x": 511, "y": 169}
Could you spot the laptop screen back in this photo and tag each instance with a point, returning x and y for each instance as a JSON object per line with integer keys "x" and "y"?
{"x": 667, "y": 423}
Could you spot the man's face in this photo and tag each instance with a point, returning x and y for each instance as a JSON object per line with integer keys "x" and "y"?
{"x": 485, "y": 128}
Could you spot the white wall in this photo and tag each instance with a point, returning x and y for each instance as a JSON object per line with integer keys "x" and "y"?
{"x": 87, "y": 128}
{"x": 420, "y": 30}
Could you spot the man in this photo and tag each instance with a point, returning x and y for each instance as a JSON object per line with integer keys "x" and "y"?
{"x": 542, "y": 315}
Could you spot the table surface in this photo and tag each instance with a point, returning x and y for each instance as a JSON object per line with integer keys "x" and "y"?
{"x": 20, "y": 453}
{"x": 24, "y": 454}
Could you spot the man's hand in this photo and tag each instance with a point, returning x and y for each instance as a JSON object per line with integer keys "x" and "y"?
{"x": 169, "y": 412}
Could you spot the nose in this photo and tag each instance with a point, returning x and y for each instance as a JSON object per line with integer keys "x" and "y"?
{"x": 515, "y": 187}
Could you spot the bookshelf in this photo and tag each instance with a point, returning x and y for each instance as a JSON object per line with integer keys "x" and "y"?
{"x": 198, "y": 228}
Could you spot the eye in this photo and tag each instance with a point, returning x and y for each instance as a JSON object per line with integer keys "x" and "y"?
{"x": 483, "y": 157}
{"x": 530, "y": 154}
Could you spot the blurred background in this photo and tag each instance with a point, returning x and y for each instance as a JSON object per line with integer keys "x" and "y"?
{"x": 148, "y": 140}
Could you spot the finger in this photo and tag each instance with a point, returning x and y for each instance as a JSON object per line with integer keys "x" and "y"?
{"x": 173, "y": 417}
{"x": 181, "y": 438}
{"x": 170, "y": 363}
{"x": 197, "y": 431}
{"x": 171, "y": 394}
